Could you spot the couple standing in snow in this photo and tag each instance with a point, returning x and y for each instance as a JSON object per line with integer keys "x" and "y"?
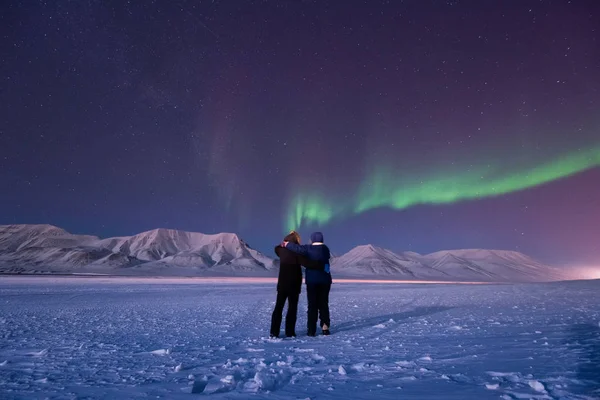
{"x": 315, "y": 258}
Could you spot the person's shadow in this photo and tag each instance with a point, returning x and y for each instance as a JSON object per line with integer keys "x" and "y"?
{"x": 585, "y": 340}
{"x": 397, "y": 317}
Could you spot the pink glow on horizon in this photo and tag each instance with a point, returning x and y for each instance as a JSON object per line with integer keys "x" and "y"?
{"x": 588, "y": 272}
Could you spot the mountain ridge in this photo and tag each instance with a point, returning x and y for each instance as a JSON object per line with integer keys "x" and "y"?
{"x": 50, "y": 249}
{"x": 41, "y": 248}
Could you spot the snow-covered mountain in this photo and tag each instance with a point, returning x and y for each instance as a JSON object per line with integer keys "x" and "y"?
{"x": 190, "y": 249}
{"x": 493, "y": 265}
{"x": 46, "y": 248}
{"x": 371, "y": 261}
{"x": 463, "y": 265}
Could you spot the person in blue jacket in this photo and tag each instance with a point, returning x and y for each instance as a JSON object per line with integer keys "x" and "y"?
{"x": 318, "y": 282}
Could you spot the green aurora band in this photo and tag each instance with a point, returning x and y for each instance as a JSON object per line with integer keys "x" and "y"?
{"x": 383, "y": 188}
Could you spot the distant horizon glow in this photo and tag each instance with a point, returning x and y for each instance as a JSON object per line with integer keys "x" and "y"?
{"x": 588, "y": 272}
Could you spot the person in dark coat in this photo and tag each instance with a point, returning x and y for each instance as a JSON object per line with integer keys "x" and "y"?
{"x": 318, "y": 282}
{"x": 289, "y": 285}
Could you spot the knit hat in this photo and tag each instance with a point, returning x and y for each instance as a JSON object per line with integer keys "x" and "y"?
{"x": 316, "y": 237}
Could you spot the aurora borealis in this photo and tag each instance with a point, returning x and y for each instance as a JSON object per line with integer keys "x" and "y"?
{"x": 416, "y": 126}
{"x": 385, "y": 189}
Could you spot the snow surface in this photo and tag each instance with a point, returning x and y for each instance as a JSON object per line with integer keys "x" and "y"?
{"x": 148, "y": 338}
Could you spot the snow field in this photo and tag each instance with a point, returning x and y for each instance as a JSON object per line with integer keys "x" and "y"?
{"x": 138, "y": 340}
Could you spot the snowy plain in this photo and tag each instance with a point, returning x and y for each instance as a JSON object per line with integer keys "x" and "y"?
{"x": 106, "y": 338}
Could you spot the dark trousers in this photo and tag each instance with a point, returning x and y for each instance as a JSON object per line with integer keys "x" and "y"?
{"x": 290, "y": 318}
{"x": 318, "y": 306}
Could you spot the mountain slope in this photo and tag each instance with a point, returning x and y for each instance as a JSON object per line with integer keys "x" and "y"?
{"x": 45, "y": 248}
{"x": 493, "y": 265}
{"x": 463, "y": 265}
{"x": 49, "y": 249}
{"x": 369, "y": 260}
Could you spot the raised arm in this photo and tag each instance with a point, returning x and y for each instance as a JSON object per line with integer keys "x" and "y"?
{"x": 310, "y": 264}
{"x": 297, "y": 248}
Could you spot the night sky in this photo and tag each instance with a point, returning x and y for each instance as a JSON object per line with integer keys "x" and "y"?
{"x": 412, "y": 125}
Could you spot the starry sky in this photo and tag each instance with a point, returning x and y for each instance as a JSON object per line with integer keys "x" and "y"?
{"x": 412, "y": 125}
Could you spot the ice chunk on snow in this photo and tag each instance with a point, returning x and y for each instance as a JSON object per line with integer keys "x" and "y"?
{"x": 251, "y": 386}
{"x": 178, "y": 368}
{"x": 492, "y": 386}
{"x": 342, "y": 370}
{"x": 38, "y": 353}
{"x": 425, "y": 358}
{"x": 266, "y": 381}
{"x": 500, "y": 374}
{"x": 359, "y": 367}
{"x": 161, "y": 352}
{"x": 537, "y": 386}
{"x": 298, "y": 350}
{"x": 409, "y": 378}
{"x": 212, "y": 386}
{"x": 379, "y": 326}
{"x": 405, "y": 364}
{"x": 3, "y": 363}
